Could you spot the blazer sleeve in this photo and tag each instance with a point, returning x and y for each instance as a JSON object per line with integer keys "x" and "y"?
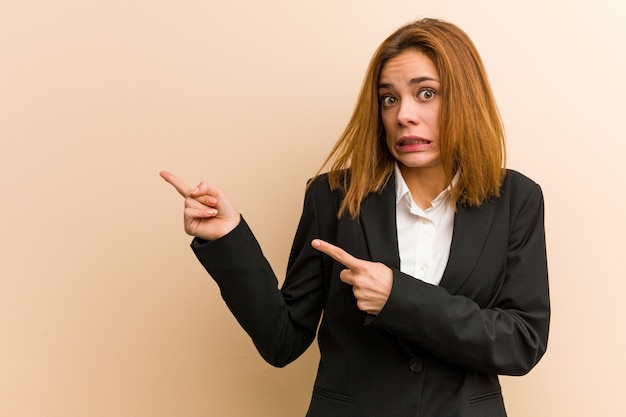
{"x": 508, "y": 335}
{"x": 282, "y": 323}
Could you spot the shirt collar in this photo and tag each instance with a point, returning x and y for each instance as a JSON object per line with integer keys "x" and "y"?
{"x": 402, "y": 190}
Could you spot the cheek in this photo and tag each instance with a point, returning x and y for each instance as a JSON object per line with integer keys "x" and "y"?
{"x": 434, "y": 119}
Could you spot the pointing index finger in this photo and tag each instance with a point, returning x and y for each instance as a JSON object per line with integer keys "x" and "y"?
{"x": 182, "y": 188}
{"x": 336, "y": 253}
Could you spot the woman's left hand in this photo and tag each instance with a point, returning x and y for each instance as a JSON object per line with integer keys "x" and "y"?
{"x": 371, "y": 281}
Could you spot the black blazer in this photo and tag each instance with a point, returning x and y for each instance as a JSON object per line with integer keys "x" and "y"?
{"x": 433, "y": 351}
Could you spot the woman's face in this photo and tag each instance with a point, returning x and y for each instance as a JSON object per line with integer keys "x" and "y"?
{"x": 408, "y": 91}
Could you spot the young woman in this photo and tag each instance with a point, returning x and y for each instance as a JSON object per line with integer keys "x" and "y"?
{"x": 426, "y": 257}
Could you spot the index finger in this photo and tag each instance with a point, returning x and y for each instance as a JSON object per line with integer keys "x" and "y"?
{"x": 337, "y": 254}
{"x": 182, "y": 188}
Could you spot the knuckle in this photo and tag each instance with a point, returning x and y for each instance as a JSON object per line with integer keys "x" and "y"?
{"x": 359, "y": 280}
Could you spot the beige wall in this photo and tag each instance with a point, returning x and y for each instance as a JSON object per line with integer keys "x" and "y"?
{"x": 103, "y": 308}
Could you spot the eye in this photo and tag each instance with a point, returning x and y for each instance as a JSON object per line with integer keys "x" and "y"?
{"x": 387, "y": 101}
{"x": 426, "y": 94}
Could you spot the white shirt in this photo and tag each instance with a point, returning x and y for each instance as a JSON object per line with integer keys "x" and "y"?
{"x": 424, "y": 236}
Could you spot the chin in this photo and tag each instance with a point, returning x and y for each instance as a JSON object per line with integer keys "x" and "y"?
{"x": 420, "y": 164}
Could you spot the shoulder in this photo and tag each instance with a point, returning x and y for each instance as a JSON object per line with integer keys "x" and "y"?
{"x": 520, "y": 191}
{"x": 328, "y": 184}
{"x": 516, "y": 185}
{"x": 518, "y": 179}
{"x": 322, "y": 197}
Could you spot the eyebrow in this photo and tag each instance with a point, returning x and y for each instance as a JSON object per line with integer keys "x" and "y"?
{"x": 412, "y": 81}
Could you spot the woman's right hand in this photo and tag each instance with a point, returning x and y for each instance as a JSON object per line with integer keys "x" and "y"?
{"x": 208, "y": 214}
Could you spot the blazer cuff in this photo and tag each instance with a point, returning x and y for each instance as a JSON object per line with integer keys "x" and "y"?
{"x": 401, "y": 301}
{"x": 225, "y": 253}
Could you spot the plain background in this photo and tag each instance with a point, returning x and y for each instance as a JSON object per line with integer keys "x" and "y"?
{"x": 103, "y": 309}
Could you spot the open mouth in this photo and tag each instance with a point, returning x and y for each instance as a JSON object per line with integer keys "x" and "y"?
{"x": 413, "y": 141}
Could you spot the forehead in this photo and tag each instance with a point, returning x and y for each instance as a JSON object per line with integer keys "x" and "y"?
{"x": 409, "y": 63}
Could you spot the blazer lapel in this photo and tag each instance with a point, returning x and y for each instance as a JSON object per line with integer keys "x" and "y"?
{"x": 378, "y": 220}
{"x": 471, "y": 227}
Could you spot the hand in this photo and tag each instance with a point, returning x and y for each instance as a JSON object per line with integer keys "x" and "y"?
{"x": 209, "y": 214}
{"x": 371, "y": 281}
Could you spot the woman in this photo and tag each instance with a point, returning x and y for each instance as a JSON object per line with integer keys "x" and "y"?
{"x": 426, "y": 257}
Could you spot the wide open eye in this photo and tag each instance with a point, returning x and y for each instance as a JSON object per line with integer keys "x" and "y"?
{"x": 426, "y": 94}
{"x": 387, "y": 100}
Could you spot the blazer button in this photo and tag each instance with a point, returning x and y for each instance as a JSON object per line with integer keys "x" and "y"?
{"x": 416, "y": 365}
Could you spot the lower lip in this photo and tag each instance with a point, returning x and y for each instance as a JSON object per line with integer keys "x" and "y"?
{"x": 414, "y": 147}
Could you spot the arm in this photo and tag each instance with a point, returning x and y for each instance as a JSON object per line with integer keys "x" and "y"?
{"x": 248, "y": 285}
{"x": 281, "y": 324}
{"x": 506, "y": 335}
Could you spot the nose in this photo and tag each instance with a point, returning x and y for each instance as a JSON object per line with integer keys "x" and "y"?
{"x": 408, "y": 113}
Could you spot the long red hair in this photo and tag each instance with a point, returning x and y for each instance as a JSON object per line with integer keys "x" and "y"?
{"x": 470, "y": 128}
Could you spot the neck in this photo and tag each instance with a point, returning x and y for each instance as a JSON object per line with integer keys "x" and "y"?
{"x": 425, "y": 184}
